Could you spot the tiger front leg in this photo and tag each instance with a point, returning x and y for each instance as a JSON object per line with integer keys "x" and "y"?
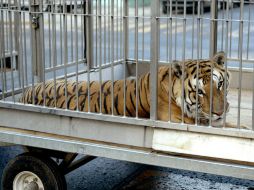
{"x": 175, "y": 114}
{"x": 164, "y": 110}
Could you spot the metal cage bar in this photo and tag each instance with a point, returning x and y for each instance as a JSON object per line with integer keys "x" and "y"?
{"x": 154, "y": 58}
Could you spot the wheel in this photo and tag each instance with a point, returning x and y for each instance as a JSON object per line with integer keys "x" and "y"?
{"x": 32, "y": 172}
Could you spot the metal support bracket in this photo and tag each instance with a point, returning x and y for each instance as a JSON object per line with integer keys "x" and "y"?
{"x": 76, "y": 164}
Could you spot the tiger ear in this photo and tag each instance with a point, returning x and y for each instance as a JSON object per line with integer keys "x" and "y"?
{"x": 177, "y": 68}
{"x": 219, "y": 58}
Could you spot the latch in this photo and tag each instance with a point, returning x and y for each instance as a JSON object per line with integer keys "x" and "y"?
{"x": 35, "y": 22}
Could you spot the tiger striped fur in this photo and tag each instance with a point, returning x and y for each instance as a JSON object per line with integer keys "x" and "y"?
{"x": 166, "y": 86}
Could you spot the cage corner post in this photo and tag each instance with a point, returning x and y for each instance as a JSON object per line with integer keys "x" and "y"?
{"x": 155, "y": 37}
{"x": 88, "y": 34}
{"x": 126, "y": 30}
{"x": 36, "y": 23}
{"x": 17, "y": 36}
{"x": 214, "y": 24}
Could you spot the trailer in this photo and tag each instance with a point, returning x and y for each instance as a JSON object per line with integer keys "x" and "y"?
{"x": 108, "y": 40}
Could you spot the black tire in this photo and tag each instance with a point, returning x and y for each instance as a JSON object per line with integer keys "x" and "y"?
{"x": 45, "y": 168}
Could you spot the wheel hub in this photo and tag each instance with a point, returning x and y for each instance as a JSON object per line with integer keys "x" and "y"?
{"x": 27, "y": 180}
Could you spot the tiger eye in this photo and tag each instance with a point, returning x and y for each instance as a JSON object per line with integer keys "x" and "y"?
{"x": 200, "y": 92}
{"x": 220, "y": 84}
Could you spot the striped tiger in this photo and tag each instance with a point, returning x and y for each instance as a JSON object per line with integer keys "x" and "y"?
{"x": 194, "y": 71}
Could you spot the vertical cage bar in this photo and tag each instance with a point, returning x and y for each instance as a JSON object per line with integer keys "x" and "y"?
{"x": 193, "y": 30}
{"x": 65, "y": 58}
{"x": 36, "y": 40}
{"x": 49, "y": 38}
{"x": 71, "y": 30}
{"x": 20, "y": 60}
{"x": 126, "y": 29}
{"x": 155, "y": 23}
{"x": 176, "y": 28}
{"x": 83, "y": 32}
{"x": 96, "y": 33}
{"x": 143, "y": 29}
{"x": 76, "y": 53}
{"x": 7, "y": 33}
{"x": 170, "y": 54}
{"x": 251, "y": 5}
{"x": 89, "y": 45}
{"x": 222, "y": 23}
{"x": 125, "y": 48}
{"x": 25, "y": 48}
{"x": 100, "y": 54}
{"x": 112, "y": 16}
{"x": 104, "y": 32}
{"x": 231, "y": 31}
{"x": 226, "y": 65}
{"x": 214, "y": 31}
{"x": 117, "y": 30}
{"x": 42, "y": 52}
{"x": 54, "y": 54}
{"x": 201, "y": 29}
{"x": 7, "y": 30}
{"x": 249, "y": 31}
{"x": 2, "y": 54}
{"x": 199, "y": 35}
{"x": 11, "y": 51}
{"x": 121, "y": 29}
{"x": 253, "y": 100}
{"x": 16, "y": 49}
{"x": 61, "y": 35}
{"x": 183, "y": 59}
{"x": 213, "y": 49}
{"x": 109, "y": 32}
{"x": 136, "y": 54}
{"x": 240, "y": 48}
{"x": 33, "y": 57}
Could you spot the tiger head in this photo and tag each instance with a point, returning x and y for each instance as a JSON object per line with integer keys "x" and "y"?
{"x": 210, "y": 84}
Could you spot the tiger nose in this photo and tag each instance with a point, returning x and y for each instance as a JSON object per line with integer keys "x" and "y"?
{"x": 220, "y": 111}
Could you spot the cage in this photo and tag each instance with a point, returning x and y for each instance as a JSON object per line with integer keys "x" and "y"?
{"x": 122, "y": 45}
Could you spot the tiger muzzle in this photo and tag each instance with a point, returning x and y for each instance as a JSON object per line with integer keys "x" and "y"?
{"x": 221, "y": 110}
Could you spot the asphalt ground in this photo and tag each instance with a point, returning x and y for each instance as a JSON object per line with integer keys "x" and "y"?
{"x": 108, "y": 174}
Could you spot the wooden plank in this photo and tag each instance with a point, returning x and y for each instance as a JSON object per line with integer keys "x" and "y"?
{"x": 215, "y": 147}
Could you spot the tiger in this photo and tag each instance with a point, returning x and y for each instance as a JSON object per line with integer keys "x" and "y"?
{"x": 184, "y": 106}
